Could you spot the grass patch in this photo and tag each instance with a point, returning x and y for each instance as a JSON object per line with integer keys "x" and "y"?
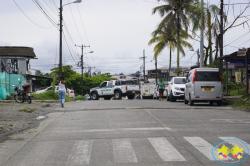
{"x": 27, "y": 110}
{"x": 80, "y": 98}
{"x": 242, "y": 103}
{"x": 49, "y": 95}
{"x": 236, "y": 89}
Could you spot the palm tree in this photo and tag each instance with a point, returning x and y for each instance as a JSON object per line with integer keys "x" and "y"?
{"x": 167, "y": 38}
{"x": 180, "y": 13}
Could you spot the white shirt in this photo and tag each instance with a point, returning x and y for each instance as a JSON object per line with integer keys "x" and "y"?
{"x": 61, "y": 87}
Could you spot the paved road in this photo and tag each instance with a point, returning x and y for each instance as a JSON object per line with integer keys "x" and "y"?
{"x": 127, "y": 133}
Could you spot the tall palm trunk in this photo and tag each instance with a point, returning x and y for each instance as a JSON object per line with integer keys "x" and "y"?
{"x": 170, "y": 61}
{"x": 210, "y": 49}
{"x": 178, "y": 41}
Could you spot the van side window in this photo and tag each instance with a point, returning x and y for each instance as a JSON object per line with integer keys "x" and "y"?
{"x": 189, "y": 77}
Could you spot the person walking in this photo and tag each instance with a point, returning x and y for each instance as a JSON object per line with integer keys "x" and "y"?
{"x": 62, "y": 92}
{"x": 161, "y": 87}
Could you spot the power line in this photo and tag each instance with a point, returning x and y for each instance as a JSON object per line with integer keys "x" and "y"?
{"x": 69, "y": 48}
{"x": 76, "y": 26}
{"x": 36, "y": 2}
{"x": 239, "y": 3}
{"x": 83, "y": 25}
{"x": 33, "y": 22}
{"x": 237, "y": 38}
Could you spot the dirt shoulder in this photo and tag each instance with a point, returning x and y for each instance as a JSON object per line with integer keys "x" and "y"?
{"x": 16, "y": 117}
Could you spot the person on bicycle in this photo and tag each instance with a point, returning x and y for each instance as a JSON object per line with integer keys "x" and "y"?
{"x": 62, "y": 92}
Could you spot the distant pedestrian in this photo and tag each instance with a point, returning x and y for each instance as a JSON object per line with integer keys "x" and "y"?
{"x": 161, "y": 87}
{"x": 62, "y": 92}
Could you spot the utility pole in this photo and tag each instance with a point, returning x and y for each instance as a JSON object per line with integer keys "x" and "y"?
{"x": 198, "y": 58}
{"x": 156, "y": 70}
{"x": 144, "y": 65}
{"x": 82, "y": 67}
{"x": 221, "y": 35}
{"x": 202, "y": 36}
{"x": 60, "y": 40}
{"x": 60, "y": 33}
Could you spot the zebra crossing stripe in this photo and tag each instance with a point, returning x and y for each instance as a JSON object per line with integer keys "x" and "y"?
{"x": 201, "y": 145}
{"x": 231, "y": 140}
{"x": 123, "y": 151}
{"x": 81, "y": 153}
{"x": 165, "y": 150}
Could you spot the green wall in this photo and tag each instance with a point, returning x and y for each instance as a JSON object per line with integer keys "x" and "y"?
{"x": 8, "y": 82}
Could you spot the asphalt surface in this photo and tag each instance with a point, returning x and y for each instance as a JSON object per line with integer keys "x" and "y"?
{"x": 127, "y": 133}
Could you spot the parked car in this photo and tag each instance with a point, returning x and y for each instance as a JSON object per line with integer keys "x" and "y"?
{"x": 149, "y": 90}
{"x": 203, "y": 84}
{"x": 176, "y": 88}
{"x": 116, "y": 89}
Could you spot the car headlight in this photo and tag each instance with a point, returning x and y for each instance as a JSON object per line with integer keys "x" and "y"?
{"x": 176, "y": 88}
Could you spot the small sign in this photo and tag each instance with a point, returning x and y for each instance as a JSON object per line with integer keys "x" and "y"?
{"x": 242, "y": 52}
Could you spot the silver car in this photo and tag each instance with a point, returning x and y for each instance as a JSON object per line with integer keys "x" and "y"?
{"x": 203, "y": 85}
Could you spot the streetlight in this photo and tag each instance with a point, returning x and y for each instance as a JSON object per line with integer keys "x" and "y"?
{"x": 60, "y": 32}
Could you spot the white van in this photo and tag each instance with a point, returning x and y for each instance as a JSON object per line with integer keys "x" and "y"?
{"x": 203, "y": 84}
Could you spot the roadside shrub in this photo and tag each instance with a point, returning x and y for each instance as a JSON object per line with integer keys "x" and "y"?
{"x": 80, "y": 97}
{"x": 235, "y": 89}
{"x": 243, "y": 103}
{"x": 49, "y": 95}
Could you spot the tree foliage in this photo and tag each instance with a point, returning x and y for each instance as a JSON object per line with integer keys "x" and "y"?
{"x": 73, "y": 79}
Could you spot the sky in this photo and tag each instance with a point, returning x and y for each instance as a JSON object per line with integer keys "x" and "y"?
{"x": 116, "y": 30}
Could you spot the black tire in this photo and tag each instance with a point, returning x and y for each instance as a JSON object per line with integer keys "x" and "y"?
{"x": 211, "y": 103}
{"x": 190, "y": 102}
{"x": 130, "y": 97}
{"x": 219, "y": 103}
{"x": 171, "y": 97}
{"x": 29, "y": 100}
{"x": 167, "y": 96}
{"x": 94, "y": 96}
{"x": 19, "y": 98}
{"x": 117, "y": 95}
{"x": 185, "y": 101}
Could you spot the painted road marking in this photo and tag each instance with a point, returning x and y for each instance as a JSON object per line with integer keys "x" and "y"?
{"x": 81, "y": 153}
{"x": 60, "y": 130}
{"x": 165, "y": 149}
{"x": 123, "y": 151}
{"x": 231, "y": 140}
{"x": 202, "y": 145}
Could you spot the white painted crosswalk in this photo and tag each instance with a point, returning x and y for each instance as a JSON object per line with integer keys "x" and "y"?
{"x": 201, "y": 145}
{"x": 125, "y": 150}
{"x": 165, "y": 149}
{"x": 80, "y": 154}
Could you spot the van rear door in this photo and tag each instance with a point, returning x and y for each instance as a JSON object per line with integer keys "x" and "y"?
{"x": 207, "y": 85}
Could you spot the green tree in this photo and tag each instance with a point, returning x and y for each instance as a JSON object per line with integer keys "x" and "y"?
{"x": 179, "y": 15}
{"x": 73, "y": 79}
{"x": 167, "y": 38}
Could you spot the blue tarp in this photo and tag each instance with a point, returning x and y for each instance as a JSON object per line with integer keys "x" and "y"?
{"x": 8, "y": 82}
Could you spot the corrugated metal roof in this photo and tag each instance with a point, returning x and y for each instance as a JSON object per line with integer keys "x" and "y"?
{"x": 8, "y": 51}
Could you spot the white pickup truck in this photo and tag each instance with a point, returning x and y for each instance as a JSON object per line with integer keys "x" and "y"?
{"x": 116, "y": 89}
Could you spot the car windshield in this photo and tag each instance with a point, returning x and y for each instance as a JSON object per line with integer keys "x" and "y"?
{"x": 207, "y": 76}
{"x": 179, "y": 80}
